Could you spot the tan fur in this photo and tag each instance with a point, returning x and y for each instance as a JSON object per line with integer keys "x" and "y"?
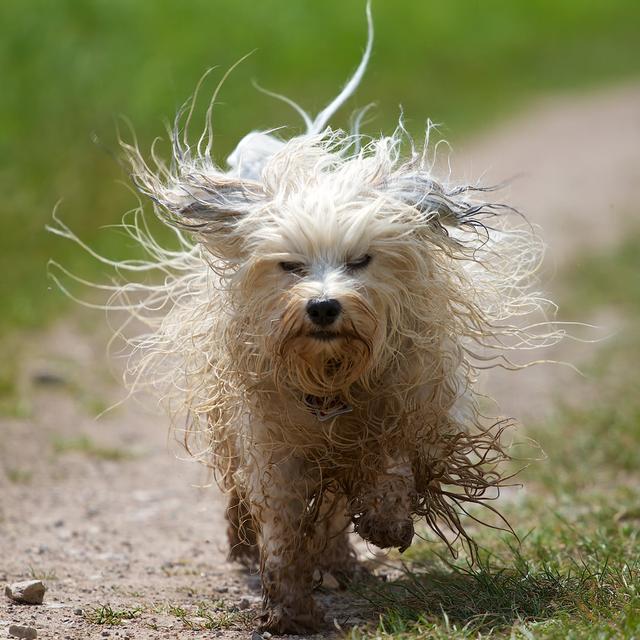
{"x": 231, "y": 346}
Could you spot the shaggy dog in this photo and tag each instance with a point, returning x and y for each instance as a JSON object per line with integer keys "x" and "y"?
{"x": 321, "y": 323}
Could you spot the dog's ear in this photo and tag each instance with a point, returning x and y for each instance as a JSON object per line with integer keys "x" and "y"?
{"x": 439, "y": 205}
{"x": 203, "y": 200}
{"x": 209, "y": 202}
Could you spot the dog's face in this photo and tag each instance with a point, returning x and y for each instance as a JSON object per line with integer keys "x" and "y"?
{"x": 330, "y": 259}
{"x": 320, "y": 277}
{"x": 328, "y": 279}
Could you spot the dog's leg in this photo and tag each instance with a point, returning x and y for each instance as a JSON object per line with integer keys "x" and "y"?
{"x": 279, "y": 498}
{"x": 381, "y": 511}
{"x": 241, "y": 531}
{"x": 334, "y": 553}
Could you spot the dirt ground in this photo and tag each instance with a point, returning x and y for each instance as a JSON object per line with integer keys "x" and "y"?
{"x": 105, "y": 512}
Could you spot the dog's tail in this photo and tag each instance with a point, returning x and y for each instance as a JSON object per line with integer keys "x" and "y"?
{"x": 253, "y": 151}
{"x": 321, "y": 120}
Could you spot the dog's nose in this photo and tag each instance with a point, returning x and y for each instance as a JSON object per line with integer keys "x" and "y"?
{"x": 323, "y": 312}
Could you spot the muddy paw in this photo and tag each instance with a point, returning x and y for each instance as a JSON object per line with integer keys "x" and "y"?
{"x": 279, "y": 620}
{"x": 383, "y": 533}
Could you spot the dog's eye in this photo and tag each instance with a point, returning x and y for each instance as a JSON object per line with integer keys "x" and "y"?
{"x": 360, "y": 263}
{"x": 293, "y": 267}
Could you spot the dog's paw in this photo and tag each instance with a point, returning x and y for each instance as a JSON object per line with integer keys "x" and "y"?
{"x": 279, "y": 619}
{"x": 386, "y": 534}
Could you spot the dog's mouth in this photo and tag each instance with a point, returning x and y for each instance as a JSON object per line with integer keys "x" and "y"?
{"x": 324, "y": 336}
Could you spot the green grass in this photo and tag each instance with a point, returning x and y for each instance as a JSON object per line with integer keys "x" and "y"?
{"x": 211, "y": 616}
{"x": 16, "y": 475}
{"x": 607, "y": 280}
{"x": 69, "y": 69}
{"x": 605, "y": 431}
{"x": 567, "y": 572}
{"x": 574, "y": 569}
{"x": 86, "y": 446}
{"x": 105, "y": 614}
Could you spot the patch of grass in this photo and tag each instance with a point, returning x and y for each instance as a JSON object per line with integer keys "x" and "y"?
{"x": 594, "y": 443}
{"x": 46, "y": 575}
{"x": 211, "y": 616}
{"x": 17, "y": 475}
{"x": 598, "y": 440}
{"x": 609, "y": 279}
{"x": 105, "y": 614}
{"x": 12, "y": 404}
{"x": 574, "y": 572}
{"x": 85, "y": 445}
{"x": 181, "y": 567}
{"x": 570, "y": 571}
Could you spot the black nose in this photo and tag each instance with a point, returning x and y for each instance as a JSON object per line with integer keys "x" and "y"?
{"x": 323, "y": 312}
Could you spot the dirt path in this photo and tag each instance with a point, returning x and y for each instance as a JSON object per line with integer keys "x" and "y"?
{"x": 578, "y": 161}
{"x": 105, "y": 512}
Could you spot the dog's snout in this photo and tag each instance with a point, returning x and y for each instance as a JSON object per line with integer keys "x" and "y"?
{"x": 323, "y": 312}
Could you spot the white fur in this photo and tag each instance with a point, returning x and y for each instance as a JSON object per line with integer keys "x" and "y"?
{"x": 230, "y": 344}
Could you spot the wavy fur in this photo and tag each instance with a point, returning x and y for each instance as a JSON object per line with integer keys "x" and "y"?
{"x": 433, "y": 282}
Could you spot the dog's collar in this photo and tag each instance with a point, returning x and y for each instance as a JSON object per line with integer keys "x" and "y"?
{"x": 327, "y": 408}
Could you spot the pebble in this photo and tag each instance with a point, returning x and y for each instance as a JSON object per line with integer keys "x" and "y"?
{"x": 27, "y": 592}
{"x": 17, "y": 631}
{"x": 78, "y": 612}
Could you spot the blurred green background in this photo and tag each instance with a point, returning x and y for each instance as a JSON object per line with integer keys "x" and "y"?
{"x": 70, "y": 68}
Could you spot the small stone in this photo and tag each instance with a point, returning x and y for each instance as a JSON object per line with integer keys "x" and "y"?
{"x": 78, "y": 612}
{"x": 27, "y": 592}
{"x": 105, "y": 633}
{"x": 266, "y": 635}
{"x": 256, "y": 636}
{"x": 17, "y": 631}
{"x": 244, "y": 604}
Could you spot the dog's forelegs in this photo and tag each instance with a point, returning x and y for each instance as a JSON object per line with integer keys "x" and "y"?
{"x": 279, "y": 502}
{"x": 381, "y": 510}
{"x": 333, "y": 551}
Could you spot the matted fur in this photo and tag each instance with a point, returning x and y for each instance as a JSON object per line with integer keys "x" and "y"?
{"x": 433, "y": 282}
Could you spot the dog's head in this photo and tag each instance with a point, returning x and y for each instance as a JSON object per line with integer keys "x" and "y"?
{"x": 332, "y": 258}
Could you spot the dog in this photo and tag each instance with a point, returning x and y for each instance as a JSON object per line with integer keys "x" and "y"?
{"x": 322, "y": 323}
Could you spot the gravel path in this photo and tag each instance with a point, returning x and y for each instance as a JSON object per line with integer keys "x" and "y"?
{"x": 104, "y": 512}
